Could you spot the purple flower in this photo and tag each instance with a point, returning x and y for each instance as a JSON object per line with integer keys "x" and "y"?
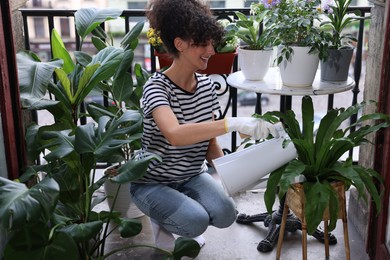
{"x": 270, "y": 3}
{"x": 326, "y": 6}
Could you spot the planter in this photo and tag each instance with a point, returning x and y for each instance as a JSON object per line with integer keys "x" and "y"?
{"x": 220, "y": 63}
{"x": 164, "y": 59}
{"x": 301, "y": 69}
{"x": 336, "y": 67}
{"x": 123, "y": 201}
{"x": 229, "y": 167}
{"x": 254, "y": 64}
{"x": 295, "y": 201}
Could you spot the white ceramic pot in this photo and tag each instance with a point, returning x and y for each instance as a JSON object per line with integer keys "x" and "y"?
{"x": 245, "y": 169}
{"x": 254, "y": 64}
{"x": 300, "y": 70}
{"x": 123, "y": 202}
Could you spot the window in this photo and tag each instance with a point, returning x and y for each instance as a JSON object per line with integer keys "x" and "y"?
{"x": 39, "y": 27}
{"x": 248, "y": 3}
{"x": 136, "y": 5}
{"x": 217, "y": 4}
{"x": 65, "y": 27}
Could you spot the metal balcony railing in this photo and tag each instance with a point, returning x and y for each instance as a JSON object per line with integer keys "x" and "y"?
{"x": 229, "y": 93}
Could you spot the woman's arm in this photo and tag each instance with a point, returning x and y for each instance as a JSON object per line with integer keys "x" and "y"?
{"x": 185, "y": 134}
{"x": 214, "y": 151}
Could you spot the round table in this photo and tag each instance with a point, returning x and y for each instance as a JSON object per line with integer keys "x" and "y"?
{"x": 272, "y": 84}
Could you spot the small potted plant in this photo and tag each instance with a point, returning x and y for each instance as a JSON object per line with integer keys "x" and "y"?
{"x": 292, "y": 24}
{"x": 318, "y": 164}
{"x": 255, "y": 55}
{"x": 335, "y": 64}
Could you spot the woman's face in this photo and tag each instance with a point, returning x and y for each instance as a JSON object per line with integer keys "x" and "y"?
{"x": 198, "y": 55}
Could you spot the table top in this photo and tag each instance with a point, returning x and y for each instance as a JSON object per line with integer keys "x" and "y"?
{"x": 272, "y": 84}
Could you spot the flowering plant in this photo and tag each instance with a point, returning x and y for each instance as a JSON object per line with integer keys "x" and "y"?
{"x": 293, "y": 23}
{"x": 155, "y": 40}
{"x": 337, "y": 20}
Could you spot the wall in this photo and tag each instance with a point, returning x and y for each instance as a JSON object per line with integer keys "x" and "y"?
{"x": 358, "y": 211}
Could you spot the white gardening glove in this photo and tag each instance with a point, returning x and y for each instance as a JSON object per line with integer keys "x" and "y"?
{"x": 256, "y": 128}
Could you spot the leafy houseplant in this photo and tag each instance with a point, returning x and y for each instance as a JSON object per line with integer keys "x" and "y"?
{"x": 293, "y": 26}
{"x": 255, "y": 55}
{"x": 54, "y": 217}
{"x": 337, "y": 59}
{"x": 318, "y": 160}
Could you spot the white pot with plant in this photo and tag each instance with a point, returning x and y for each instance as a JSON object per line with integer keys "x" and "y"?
{"x": 292, "y": 24}
{"x": 255, "y": 56}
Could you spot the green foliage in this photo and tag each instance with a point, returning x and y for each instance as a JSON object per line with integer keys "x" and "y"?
{"x": 319, "y": 162}
{"x": 54, "y": 217}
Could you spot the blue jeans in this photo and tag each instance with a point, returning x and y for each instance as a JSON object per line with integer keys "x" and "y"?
{"x": 186, "y": 208}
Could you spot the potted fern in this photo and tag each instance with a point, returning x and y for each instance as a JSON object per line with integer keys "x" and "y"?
{"x": 319, "y": 161}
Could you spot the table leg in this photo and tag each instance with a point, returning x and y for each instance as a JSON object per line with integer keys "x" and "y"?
{"x": 273, "y": 221}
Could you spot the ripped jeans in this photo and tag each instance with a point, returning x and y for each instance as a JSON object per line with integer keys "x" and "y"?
{"x": 186, "y": 208}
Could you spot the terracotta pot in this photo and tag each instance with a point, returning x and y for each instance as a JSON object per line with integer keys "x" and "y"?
{"x": 220, "y": 63}
{"x": 164, "y": 59}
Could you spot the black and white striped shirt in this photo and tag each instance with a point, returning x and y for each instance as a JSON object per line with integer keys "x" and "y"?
{"x": 178, "y": 162}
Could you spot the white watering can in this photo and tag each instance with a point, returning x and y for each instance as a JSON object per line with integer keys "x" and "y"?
{"x": 247, "y": 169}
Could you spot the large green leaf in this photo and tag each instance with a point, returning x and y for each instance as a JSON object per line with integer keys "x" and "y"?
{"x": 185, "y": 247}
{"x": 60, "y": 52}
{"x": 84, "y": 231}
{"x": 34, "y": 77}
{"x": 134, "y": 169}
{"x": 20, "y": 206}
{"x": 38, "y": 243}
{"x": 132, "y": 35}
{"x": 129, "y": 227}
{"x": 87, "y": 19}
{"x": 61, "y": 144}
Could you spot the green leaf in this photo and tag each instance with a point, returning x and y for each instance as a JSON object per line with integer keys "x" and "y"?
{"x": 87, "y": 19}
{"x": 20, "y": 206}
{"x": 60, "y": 52}
{"x": 315, "y": 206}
{"x": 83, "y": 232}
{"x": 129, "y": 227}
{"x": 134, "y": 169}
{"x": 37, "y": 243}
{"x": 185, "y": 247}
{"x": 132, "y": 35}
{"x": 272, "y": 186}
{"x": 34, "y": 77}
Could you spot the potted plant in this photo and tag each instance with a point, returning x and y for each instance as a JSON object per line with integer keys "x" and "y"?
{"x": 255, "y": 55}
{"x": 55, "y": 213}
{"x": 220, "y": 63}
{"x": 293, "y": 27}
{"x": 335, "y": 65}
{"x": 318, "y": 164}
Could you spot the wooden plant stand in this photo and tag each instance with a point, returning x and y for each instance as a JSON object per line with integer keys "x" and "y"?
{"x": 295, "y": 201}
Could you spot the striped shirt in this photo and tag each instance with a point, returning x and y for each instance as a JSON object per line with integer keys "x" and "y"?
{"x": 179, "y": 163}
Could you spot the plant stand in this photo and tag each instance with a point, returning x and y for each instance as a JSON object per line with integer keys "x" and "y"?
{"x": 272, "y": 84}
{"x": 295, "y": 200}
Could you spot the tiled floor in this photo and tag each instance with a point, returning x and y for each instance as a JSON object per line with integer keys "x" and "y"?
{"x": 239, "y": 242}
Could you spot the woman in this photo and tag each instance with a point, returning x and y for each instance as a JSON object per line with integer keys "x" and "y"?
{"x": 178, "y": 194}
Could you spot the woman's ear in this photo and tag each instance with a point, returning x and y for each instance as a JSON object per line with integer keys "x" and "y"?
{"x": 180, "y": 44}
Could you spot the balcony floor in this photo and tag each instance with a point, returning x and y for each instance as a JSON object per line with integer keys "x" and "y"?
{"x": 239, "y": 242}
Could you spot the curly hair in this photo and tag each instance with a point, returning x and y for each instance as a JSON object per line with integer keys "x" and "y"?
{"x": 187, "y": 19}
